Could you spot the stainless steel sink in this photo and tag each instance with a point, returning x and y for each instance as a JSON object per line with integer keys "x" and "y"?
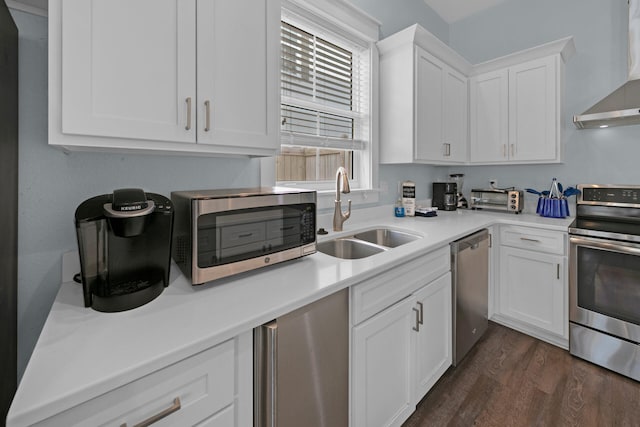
{"x": 349, "y": 248}
{"x": 386, "y": 237}
{"x": 365, "y": 243}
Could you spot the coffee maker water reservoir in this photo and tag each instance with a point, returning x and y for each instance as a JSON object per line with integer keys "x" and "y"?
{"x": 124, "y": 240}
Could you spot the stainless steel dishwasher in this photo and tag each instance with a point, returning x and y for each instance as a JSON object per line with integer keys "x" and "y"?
{"x": 470, "y": 277}
{"x": 301, "y": 366}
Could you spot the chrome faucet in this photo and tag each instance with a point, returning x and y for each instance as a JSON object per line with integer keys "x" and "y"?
{"x": 342, "y": 185}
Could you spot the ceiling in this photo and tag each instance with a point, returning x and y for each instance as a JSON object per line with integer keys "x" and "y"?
{"x": 39, "y": 7}
{"x": 455, "y": 10}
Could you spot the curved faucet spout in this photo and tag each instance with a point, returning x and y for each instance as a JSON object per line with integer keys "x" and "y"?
{"x": 342, "y": 185}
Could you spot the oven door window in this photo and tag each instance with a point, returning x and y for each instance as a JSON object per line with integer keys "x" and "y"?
{"x": 232, "y": 236}
{"x": 609, "y": 283}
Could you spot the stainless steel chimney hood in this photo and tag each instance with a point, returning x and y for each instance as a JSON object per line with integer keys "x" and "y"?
{"x": 622, "y": 107}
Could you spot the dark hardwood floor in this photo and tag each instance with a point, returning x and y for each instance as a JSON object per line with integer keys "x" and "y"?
{"x": 511, "y": 379}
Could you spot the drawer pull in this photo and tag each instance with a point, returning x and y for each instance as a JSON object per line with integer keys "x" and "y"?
{"x": 417, "y": 327}
{"x": 530, "y": 240}
{"x": 157, "y": 417}
{"x": 188, "y": 126}
{"x": 421, "y": 318}
{"x": 207, "y": 116}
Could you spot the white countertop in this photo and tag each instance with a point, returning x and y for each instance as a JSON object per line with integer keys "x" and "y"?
{"x": 82, "y": 353}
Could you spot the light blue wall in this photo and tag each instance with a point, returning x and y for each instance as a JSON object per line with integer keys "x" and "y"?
{"x": 395, "y": 16}
{"x": 599, "y": 29}
{"x": 53, "y": 183}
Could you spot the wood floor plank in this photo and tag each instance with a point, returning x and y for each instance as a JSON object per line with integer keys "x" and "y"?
{"x": 511, "y": 379}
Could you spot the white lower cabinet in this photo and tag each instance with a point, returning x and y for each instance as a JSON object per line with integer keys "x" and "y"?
{"x": 383, "y": 349}
{"x": 434, "y": 338}
{"x": 532, "y": 288}
{"x": 212, "y": 388}
{"x": 400, "y": 352}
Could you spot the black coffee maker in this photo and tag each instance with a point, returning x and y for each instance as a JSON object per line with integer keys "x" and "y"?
{"x": 124, "y": 241}
{"x": 445, "y": 196}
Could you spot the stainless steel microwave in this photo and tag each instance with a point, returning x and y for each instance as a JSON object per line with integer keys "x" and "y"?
{"x": 218, "y": 233}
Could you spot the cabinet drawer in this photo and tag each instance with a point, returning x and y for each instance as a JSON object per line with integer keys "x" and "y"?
{"x": 204, "y": 383}
{"x": 376, "y": 294}
{"x": 535, "y": 239}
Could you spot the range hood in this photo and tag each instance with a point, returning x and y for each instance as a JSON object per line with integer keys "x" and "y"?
{"x": 622, "y": 107}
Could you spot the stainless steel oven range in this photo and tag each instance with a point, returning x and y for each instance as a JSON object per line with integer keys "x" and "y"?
{"x": 604, "y": 278}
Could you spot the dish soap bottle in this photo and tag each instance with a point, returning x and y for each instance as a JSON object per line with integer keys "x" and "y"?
{"x": 399, "y": 208}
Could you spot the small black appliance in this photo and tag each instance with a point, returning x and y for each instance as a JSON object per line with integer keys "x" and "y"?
{"x": 445, "y": 196}
{"x": 124, "y": 240}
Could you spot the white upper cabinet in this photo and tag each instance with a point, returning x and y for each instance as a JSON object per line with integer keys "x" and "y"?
{"x": 515, "y": 106}
{"x": 489, "y": 117}
{"x": 423, "y": 100}
{"x": 509, "y": 111}
{"x": 534, "y": 115}
{"x": 125, "y": 75}
{"x": 238, "y": 72}
{"x": 155, "y": 75}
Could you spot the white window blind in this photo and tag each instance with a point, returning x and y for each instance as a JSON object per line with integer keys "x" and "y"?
{"x": 324, "y": 91}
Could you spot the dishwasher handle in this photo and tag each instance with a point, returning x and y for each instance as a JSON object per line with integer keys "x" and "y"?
{"x": 470, "y": 242}
{"x": 265, "y": 360}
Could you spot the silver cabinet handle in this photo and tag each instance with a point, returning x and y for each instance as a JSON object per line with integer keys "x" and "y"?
{"x": 558, "y": 271}
{"x": 417, "y": 327}
{"x": 504, "y": 150}
{"x": 526, "y": 239}
{"x": 188, "y": 126}
{"x": 207, "y": 116}
{"x": 157, "y": 417}
{"x": 421, "y": 318}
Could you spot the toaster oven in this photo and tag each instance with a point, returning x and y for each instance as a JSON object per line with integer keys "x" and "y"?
{"x": 218, "y": 233}
{"x": 498, "y": 199}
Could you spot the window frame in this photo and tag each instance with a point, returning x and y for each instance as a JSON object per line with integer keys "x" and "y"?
{"x": 346, "y": 22}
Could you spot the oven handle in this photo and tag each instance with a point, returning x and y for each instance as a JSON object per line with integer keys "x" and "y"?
{"x": 610, "y": 245}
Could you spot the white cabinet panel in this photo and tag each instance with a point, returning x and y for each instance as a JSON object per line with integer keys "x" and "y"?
{"x": 429, "y": 112}
{"x": 382, "y": 367}
{"x": 434, "y": 338}
{"x": 455, "y": 118}
{"x": 532, "y": 288}
{"x": 533, "y": 120}
{"x": 489, "y": 117}
{"x": 237, "y": 67}
{"x": 125, "y": 75}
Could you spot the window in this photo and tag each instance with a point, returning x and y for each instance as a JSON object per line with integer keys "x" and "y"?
{"x": 325, "y": 106}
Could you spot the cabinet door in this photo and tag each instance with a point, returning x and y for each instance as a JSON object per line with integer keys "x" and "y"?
{"x": 429, "y": 136}
{"x": 238, "y": 73}
{"x": 531, "y": 288}
{"x": 382, "y": 367}
{"x": 455, "y": 116}
{"x": 128, "y": 72}
{"x": 434, "y": 338}
{"x": 533, "y": 117}
{"x": 489, "y": 117}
